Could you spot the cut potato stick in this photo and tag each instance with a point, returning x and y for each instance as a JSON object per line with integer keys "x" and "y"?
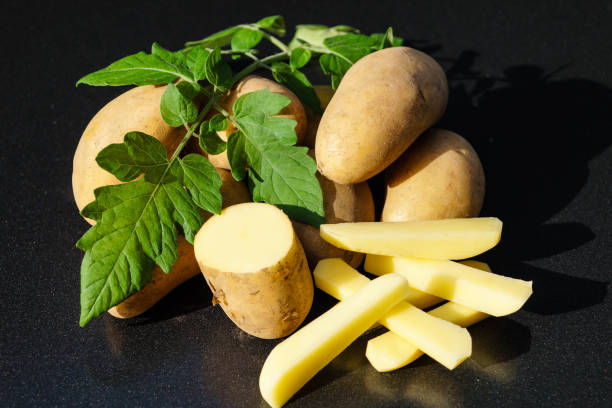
{"x": 486, "y": 292}
{"x": 299, "y": 357}
{"x": 389, "y": 351}
{"x": 457, "y": 238}
{"x": 445, "y": 342}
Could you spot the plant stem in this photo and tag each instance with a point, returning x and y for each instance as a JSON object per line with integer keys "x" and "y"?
{"x": 252, "y": 67}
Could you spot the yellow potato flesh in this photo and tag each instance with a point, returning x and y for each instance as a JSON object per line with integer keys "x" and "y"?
{"x": 445, "y": 342}
{"x": 297, "y": 359}
{"x": 457, "y": 238}
{"x": 486, "y": 292}
{"x": 389, "y": 351}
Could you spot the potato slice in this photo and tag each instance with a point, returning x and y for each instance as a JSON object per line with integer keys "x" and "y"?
{"x": 299, "y": 357}
{"x": 256, "y": 268}
{"x": 487, "y": 292}
{"x": 389, "y": 351}
{"x": 456, "y": 238}
{"x": 444, "y": 342}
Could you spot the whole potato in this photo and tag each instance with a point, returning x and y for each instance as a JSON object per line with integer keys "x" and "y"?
{"x": 384, "y": 102}
{"x": 295, "y": 110}
{"x": 342, "y": 203}
{"x": 439, "y": 176}
{"x": 134, "y": 110}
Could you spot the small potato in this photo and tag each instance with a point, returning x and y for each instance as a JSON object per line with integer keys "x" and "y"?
{"x": 439, "y": 176}
{"x": 384, "y": 102}
{"x": 256, "y": 268}
{"x": 134, "y": 110}
{"x": 295, "y": 110}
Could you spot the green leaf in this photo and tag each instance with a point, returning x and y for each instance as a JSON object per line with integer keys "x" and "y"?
{"x": 313, "y": 35}
{"x": 299, "y": 58}
{"x": 245, "y": 39}
{"x": 386, "y": 40}
{"x": 197, "y": 62}
{"x": 210, "y": 141}
{"x": 236, "y": 155}
{"x": 174, "y": 58}
{"x": 351, "y": 46}
{"x": 202, "y": 181}
{"x": 218, "y": 72}
{"x": 284, "y": 175}
{"x": 136, "y": 69}
{"x": 176, "y": 109}
{"x": 218, "y": 39}
{"x": 138, "y": 154}
{"x": 273, "y": 24}
{"x": 297, "y": 82}
{"x": 218, "y": 123}
{"x": 334, "y": 66}
{"x": 188, "y": 89}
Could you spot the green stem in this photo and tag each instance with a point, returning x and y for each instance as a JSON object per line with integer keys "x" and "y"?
{"x": 252, "y": 67}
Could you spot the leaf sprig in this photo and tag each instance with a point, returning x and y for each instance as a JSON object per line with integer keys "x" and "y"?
{"x": 137, "y": 221}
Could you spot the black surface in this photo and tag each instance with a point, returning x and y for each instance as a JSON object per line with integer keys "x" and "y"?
{"x": 531, "y": 89}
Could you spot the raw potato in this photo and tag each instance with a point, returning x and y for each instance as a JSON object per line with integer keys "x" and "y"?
{"x": 342, "y": 203}
{"x": 384, "y": 102}
{"x": 389, "y": 351}
{"x": 134, "y": 110}
{"x": 439, "y": 176}
{"x": 456, "y": 238}
{"x": 256, "y": 268}
{"x": 471, "y": 287}
{"x": 297, "y": 359}
{"x": 186, "y": 266}
{"x": 445, "y": 342}
{"x": 295, "y": 110}
{"x": 325, "y": 93}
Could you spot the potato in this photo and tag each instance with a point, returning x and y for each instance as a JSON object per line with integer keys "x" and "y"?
{"x": 325, "y": 93}
{"x": 252, "y": 83}
{"x": 256, "y": 268}
{"x": 342, "y": 203}
{"x": 186, "y": 267}
{"x": 439, "y": 176}
{"x": 384, "y": 102}
{"x": 134, "y": 110}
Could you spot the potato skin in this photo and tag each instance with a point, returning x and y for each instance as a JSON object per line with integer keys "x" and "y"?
{"x": 134, "y": 110}
{"x": 270, "y": 303}
{"x": 384, "y": 102}
{"x": 295, "y": 110}
{"x": 186, "y": 266}
{"x": 439, "y": 176}
{"x": 342, "y": 203}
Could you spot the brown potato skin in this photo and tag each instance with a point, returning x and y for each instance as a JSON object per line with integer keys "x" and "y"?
{"x": 186, "y": 267}
{"x": 383, "y": 103}
{"x": 134, "y": 110}
{"x": 270, "y": 303}
{"x": 342, "y": 203}
{"x": 295, "y": 110}
{"x": 439, "y": 176}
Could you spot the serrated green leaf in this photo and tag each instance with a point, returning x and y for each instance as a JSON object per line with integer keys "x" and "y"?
{"x": 273, "y": 24}
{"x": 386, "y": 40}
{"x": 262, "y": 102}
{"x": 196, "y": 61}
{"x": 188, "y": 89}
{"x": 245, "y": 39}
{"x": 176, "y": 109}
{"x": 314, "y": 34}
{"x": 218, "y": 123}
{"x": 218, "y": 39}
{"x": 297, "y": 82}
{"x": 218, "y": 72}
{"x": 139, "y": 153}
{"x": 174, "y": 58}
{"x": 136, "y": 69}
{"x": 236, "y": 155}
{"x": 210, "y": 141}
{"x": 202, "y": 181}
{"x": 299, "y": 57}
{"x": 334, "y": 66}
{"x": 351, "y": 46}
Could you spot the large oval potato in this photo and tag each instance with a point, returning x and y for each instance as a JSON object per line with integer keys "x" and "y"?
{"x": 384, "y": 102}
{"x": 134, "y": 110}
{"x": 186, "y": 266}
{"x": 295, "y": 110}
{"x": 439, "y": 176}
{"x": 342, "y": 203}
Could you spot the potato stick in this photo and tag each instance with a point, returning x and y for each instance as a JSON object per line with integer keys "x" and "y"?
{"x": 299, "y": 357}
{"x": 487, "y": 292}
{"x": 389, "y": 351}
{"x": 457, "y": 238}
{"x": 445, "y": 342}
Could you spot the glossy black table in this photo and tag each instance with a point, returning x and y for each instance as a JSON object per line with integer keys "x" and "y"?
{"x": 531, "y": 88}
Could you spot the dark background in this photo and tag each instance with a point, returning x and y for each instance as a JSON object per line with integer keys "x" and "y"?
{"x": 531, "y": 88}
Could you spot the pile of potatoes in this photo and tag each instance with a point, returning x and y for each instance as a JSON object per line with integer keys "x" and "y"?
{"x": 379, "y": 119}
